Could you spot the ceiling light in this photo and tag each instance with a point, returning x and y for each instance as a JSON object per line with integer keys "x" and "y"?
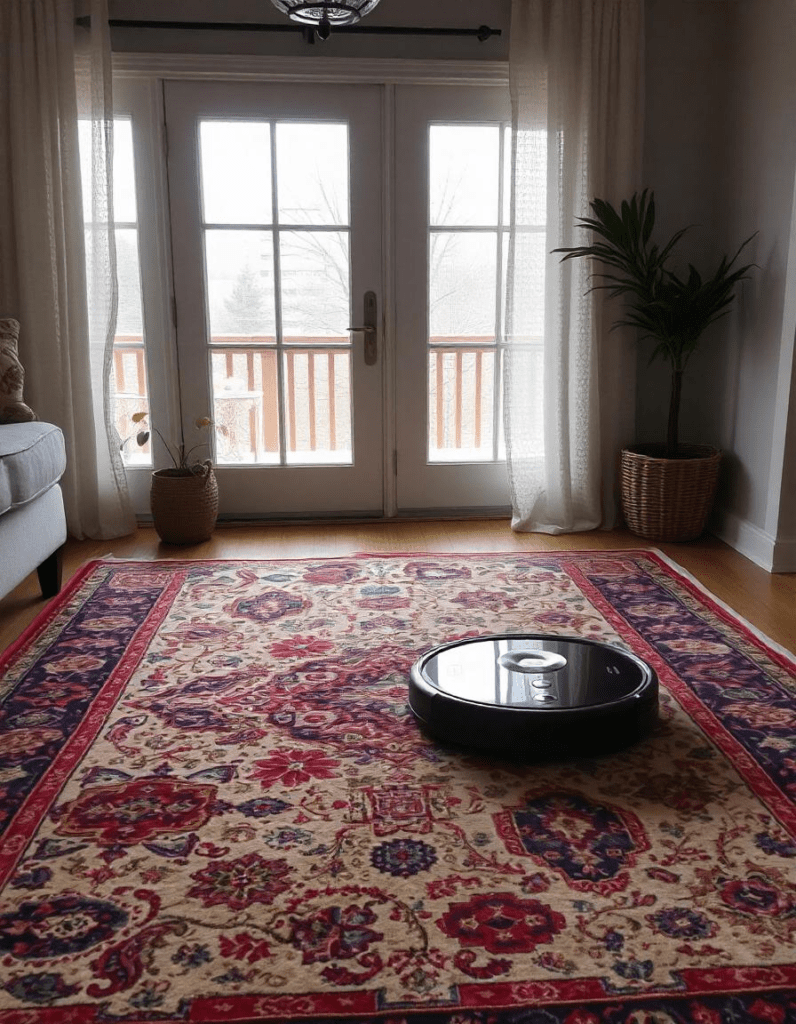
{"x": 323, "y": 15}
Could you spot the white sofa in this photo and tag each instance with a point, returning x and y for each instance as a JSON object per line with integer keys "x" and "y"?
{"x": 32, "y": 518}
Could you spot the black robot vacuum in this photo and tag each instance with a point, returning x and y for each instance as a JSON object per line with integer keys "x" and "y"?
{"x": 534, "y": 696}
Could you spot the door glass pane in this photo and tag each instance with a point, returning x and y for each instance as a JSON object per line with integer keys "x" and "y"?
{"x": 124, "y": 200}
{"x": 240, "y": 284}
{"x": 245, "y": 405}
{"x": 464, "y": 161}
{"x": 462, "y": 286}
{"x": 316, "y": 298}
{"x": 461, "y": 391}
{"x": 312, "y": 173}
{"x": 128, "y": 377}
{"x": 531, "y": 195}
{"x": 528, "y": 314}
{"x": 318, "y": 418}
{"x": 129, "y": 318}
{"x": 236, "y": 172}
{"x": 467, "y": 164}
{"x": 279, "y": 340}
{"x": 128, "y": 383}
{"x": 470, "y": 170}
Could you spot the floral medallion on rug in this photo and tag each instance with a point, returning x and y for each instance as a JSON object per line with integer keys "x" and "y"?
{"x": 215, "y": 805}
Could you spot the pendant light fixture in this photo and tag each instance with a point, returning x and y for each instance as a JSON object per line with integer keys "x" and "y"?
{"x": 324, "y": 15}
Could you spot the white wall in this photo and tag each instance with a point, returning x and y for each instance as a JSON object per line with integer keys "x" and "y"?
{"x": 761, "y": 196}
{"x": 781, "y": 512}
{"x": 721, "y": 153}
{"x": 685, "y": 139}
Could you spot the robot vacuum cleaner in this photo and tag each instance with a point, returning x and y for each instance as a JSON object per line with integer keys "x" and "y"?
{"x": 534, "y": 697}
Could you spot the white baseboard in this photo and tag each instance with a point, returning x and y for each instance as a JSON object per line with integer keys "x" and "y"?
{"x": 766, "y": 551}
{"x": 784, "y": 556}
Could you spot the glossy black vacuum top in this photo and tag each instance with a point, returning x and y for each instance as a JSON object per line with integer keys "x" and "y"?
{"x": 538, "y": 672}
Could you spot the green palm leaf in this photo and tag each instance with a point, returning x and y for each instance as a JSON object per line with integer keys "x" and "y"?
{"x": 672, "y": 310}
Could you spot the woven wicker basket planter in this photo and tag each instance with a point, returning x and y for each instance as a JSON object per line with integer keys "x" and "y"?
{"x": 668, "y": 499}
{"x": 184, "y": 504}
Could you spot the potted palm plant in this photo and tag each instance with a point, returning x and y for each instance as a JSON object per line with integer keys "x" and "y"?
{"x": 667, "y": 488}
{"x": 184, "y": 497}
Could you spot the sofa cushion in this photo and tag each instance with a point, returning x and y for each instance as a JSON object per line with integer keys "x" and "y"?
{"x": 32, "y": 459}
{"x": 12, "y": 376}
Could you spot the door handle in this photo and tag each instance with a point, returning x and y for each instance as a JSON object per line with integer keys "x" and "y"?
{"x": 369, "y": 328}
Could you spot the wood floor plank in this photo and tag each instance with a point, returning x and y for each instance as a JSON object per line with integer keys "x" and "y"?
{"x": 766, "y": 600}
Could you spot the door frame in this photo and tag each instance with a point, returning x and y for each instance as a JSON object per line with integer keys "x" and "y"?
{"x": 143, "y": 74}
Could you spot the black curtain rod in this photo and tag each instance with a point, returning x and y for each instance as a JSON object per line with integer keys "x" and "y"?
{"x": 482, "y": 33}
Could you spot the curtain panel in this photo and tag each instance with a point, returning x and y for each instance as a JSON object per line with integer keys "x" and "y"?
{"x": 576, "y": 81}
{"x": 46, "y": 234}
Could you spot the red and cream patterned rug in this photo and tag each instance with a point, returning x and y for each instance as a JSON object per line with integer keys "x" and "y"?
{"x": 215, "y": 806}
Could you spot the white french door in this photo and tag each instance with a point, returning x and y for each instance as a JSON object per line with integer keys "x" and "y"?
{"x": 275, "y": 195}
{"x": 289, "y": 225}
{"x": 452, "y": 202}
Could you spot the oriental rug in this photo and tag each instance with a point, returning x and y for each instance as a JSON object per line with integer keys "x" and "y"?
{"x": 216, "y": 807}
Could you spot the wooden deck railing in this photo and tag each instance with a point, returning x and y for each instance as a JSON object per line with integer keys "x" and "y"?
{"x": 129, "y": 390}
{"x": 461, "y": 384}
{"x": 462, "y": 374}
{"x": 317, "y": 392}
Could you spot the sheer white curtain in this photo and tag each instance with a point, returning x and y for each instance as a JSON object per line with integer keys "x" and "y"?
{"x": 43, "y": 243}
{"x": 576, "y": 87}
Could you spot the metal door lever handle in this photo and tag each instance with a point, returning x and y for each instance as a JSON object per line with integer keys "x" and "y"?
{"x": 369, "y": 328}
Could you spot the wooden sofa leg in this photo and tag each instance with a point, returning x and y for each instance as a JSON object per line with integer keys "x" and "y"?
{"x": 50, "y": 572}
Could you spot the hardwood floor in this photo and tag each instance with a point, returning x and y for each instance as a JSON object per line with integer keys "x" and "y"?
{"x": 767, "y": 601}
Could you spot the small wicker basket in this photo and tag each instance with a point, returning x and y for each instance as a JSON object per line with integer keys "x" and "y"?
{"x": 184, "y": 504}
{"x": 668, "y": 499}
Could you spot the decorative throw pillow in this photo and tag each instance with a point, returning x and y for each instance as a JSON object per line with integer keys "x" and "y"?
{"x": 12, "y": 376}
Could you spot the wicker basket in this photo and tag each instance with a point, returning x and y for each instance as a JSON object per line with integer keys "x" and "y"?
{"x": 184, "y": 504}
{"x": 668, "y": 499}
